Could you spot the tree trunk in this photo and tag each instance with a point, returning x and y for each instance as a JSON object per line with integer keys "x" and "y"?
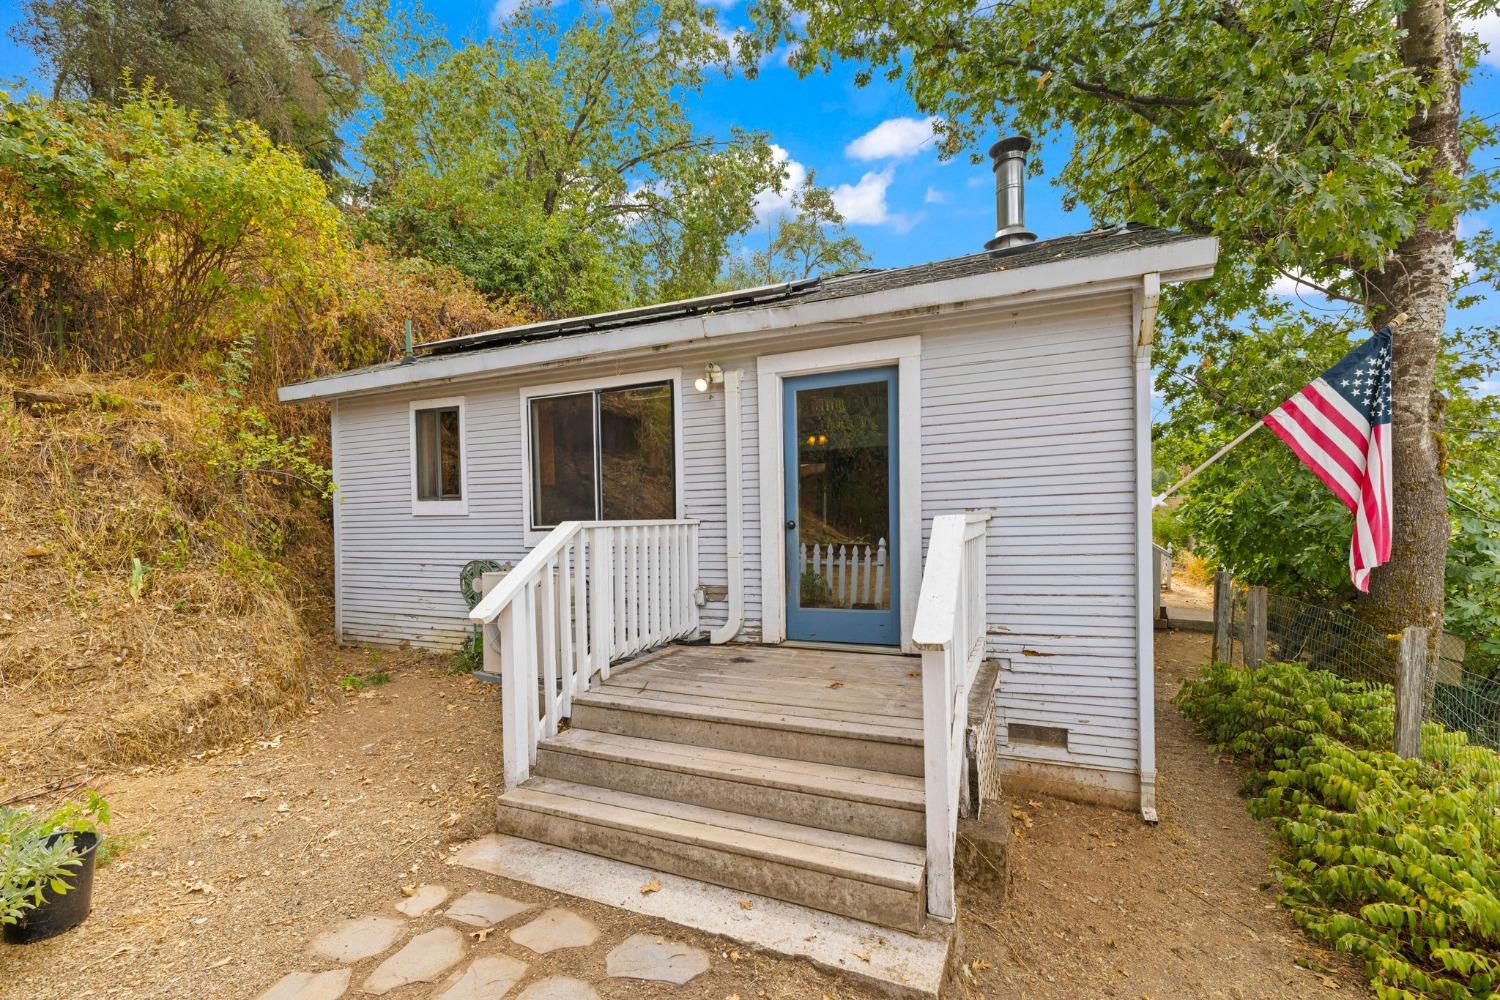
{"x": 1416, "y": 280}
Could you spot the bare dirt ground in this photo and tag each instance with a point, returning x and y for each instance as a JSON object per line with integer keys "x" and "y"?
{"x": 242, "y": 856}
{"x": 1102, "y": 905}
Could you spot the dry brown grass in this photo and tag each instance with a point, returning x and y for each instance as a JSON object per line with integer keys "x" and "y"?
{"x": 103, "y": 664}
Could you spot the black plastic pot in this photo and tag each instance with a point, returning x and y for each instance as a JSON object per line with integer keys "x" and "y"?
{"x": 55, "y": 913}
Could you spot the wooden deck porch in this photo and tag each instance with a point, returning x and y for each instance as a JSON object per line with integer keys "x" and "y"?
{"x": 792, "y": 773}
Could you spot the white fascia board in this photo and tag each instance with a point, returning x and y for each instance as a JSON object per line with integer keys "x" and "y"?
{"x": 1175, "y": 262}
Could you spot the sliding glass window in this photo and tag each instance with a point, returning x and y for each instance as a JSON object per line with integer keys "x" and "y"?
{"x": 606, "y": 454}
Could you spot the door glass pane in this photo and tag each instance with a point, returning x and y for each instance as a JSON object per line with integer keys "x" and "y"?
{"x": 637, "y": 472}
{"x": 562, "y": 459}
{"x": 843, "y": 496}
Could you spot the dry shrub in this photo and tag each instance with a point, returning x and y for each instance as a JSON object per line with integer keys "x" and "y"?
{"x": 154, "y": 603}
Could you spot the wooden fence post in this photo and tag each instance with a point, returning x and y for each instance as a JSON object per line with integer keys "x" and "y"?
{"x": 1223, "y": 613}
{"x": 1411, "y": 690}
{"x": 1255, "y": 627}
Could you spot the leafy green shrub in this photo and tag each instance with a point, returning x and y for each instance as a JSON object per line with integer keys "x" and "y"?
{"x": 1394, "y": 860}
{"x": 1269, "y": 714}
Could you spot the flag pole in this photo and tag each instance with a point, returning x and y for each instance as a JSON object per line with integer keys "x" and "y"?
{"x": 1161, "y": 498}
{"x": 1157, "y": 501}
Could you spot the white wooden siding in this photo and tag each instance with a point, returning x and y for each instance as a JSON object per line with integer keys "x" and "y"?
{"x": 1031, "y": 415}
{"x": 1034, "y": 419}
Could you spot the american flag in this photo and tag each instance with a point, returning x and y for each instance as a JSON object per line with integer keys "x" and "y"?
{"x": 1340, "y": 426}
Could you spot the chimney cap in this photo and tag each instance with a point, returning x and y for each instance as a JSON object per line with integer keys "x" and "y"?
{"x": 1010, "y": 144}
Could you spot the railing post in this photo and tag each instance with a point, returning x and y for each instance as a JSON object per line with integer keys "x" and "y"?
{"x": 601, "y": 600}
{"x": 1255, "y": 627}
{"x": 1411, "y": 690}
{"x": 936, "y": 692}
{"x": 515, "y": 733}
{"x": 1223, "y": 613}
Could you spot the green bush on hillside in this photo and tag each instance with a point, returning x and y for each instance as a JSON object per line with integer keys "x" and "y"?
{"x": 1397, "y": 861}
{"x": 1267, "y": 715}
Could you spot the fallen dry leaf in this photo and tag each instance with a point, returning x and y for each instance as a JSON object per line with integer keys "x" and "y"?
{"x": 745, "y": 904}
{"x": 861, "y": 956}
{"x": 835, "y": 684}
{"x": 36, "y": 552}
{"x": 653, "y": 884}
{"x": 451, "y": 819}
{"x": 979, "y": 965}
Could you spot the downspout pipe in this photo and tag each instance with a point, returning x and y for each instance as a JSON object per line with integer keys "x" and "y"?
{"x": 1145, "y": 319}
{"x": 734, "y": 486}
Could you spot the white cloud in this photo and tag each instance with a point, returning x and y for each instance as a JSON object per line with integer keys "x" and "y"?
{"x": 1487, "y": 27}
{"x": 934, "y": 197}
{"x": 769, "y": 203}
{"x": 863, "y": 203}
{"x": 894, "y": 138}
{"x": 1290, "y": 285}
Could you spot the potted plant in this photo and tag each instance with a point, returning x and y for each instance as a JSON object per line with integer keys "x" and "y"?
{"x": 47, "y": 867}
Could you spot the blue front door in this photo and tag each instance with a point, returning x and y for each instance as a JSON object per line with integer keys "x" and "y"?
{"x": 842, "y": 572}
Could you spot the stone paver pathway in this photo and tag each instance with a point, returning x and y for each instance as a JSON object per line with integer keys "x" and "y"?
{"x": 559, "y": 988}
{"x": 473, "y": 965}
{"x": 425, "y": 899}
{"x": 424, "y": 958}
{"x": 353, "y": 940}
{"x": 309, "y": 986}
{"x": 484, "y": 909}
{"x": 646, "y": 956}
{"x": 556, "y": 929}
{"x": 488, "y": 978}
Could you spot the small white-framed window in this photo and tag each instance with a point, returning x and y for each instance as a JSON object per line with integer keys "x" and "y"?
{"x": 439, "y": 457}
{"x": 608, "y": 450}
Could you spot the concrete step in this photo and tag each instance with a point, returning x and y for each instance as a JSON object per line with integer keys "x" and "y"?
{"x": 845, "y": 799}
{"x": 843, "y": 739}
{"x": 862, "y": 877}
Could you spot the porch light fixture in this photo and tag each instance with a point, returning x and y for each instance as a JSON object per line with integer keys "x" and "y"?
{"x": 712, "y": 375}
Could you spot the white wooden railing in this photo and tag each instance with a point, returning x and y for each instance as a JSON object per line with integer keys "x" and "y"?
{"x": 592, "y": 593}
{"x": 949, "y": 631}
{"x": 855, "y": 574}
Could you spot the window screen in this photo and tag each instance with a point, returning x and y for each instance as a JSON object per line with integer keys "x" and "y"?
{"x": 603, "y": 455}
{"x": 438, "y": 466}
{"x": 637, "y": 480}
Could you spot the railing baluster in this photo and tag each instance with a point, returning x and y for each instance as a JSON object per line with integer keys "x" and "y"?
{"x": 581, "y": 659}
{"x": 566, "y": 615}
{"x": 548, "y": 617}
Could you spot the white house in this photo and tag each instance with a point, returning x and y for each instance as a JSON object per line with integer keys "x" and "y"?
{"x": 949, "y": 460}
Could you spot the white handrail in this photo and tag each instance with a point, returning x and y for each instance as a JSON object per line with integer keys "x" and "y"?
{"x": 950, "y": 633}
{"x": 592, "y": 593}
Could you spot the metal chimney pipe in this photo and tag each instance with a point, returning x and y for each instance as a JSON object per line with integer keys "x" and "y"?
{"x": 1010, "y": 193}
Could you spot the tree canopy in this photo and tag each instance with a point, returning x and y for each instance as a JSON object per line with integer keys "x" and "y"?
{"x": 1320, "y": 140}
{"x": 557, "y": 161}
{"x": 291, "y": 66}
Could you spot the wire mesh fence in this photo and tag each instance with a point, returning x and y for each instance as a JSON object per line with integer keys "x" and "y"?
{"x": 1461, "y": 682}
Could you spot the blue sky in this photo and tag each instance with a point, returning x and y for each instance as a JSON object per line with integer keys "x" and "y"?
{"x": 868, "y": 144}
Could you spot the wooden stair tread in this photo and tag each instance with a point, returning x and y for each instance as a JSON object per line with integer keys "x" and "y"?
{"x": 852, "y": 726}
{"x": 850, "y": 783}
{"x": 861, "y": 859}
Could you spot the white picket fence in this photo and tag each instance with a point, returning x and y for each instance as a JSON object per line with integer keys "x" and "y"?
{"x": 855, "y": 574}
{"x": 950, "y": 633}
{"x": 590, "y": 594}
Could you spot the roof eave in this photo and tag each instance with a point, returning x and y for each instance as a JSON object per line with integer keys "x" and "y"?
{"x": 1185, "y": 260}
